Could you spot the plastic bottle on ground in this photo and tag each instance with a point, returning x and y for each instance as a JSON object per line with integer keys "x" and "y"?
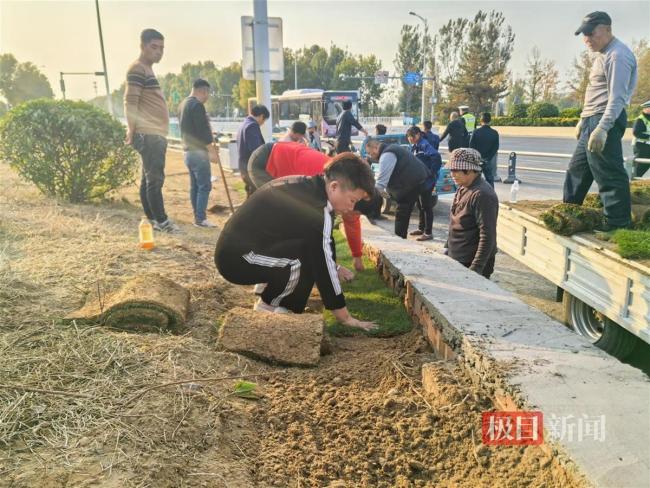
{"x": 145, "y": 230}
{"x": 514, "y": 190}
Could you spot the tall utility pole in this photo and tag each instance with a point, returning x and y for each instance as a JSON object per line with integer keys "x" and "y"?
{"x": 424, "y": 60}
{"x": 295, "y": 72}
{"x": 109, "y": 101}
{"x": 262, "y": 65}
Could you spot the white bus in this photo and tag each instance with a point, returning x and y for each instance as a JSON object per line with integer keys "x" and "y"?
{"x": 321, "y": 106}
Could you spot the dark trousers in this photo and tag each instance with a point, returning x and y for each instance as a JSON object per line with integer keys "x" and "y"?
{"x": 489, "y": 169}
{"x": 198, "y": 165}
{"x": 152, "y": 149}
{"x": 641, "y": 150}
{"x": 405, "y": 205}
{"x": 488, "y": 269}
{"x": 286, "y": 267}
{"x": 425, "y": 207}
{"x": 606, "y": 169}
{"x": 342, "y": 146}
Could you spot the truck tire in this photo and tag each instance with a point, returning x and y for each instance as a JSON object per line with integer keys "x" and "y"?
{"x": 600, "y": 330}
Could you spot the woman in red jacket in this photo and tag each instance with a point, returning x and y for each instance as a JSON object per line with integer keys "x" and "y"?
{"x": 277, "y": 159}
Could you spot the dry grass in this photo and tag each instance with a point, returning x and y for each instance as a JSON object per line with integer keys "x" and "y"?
{"x": 71, "y": 402}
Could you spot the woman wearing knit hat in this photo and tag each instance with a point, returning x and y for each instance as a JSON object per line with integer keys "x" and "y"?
{"x": 473, "y": 217}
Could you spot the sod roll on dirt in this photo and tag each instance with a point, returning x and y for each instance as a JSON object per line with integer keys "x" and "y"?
{"x": 287, "y": 339}
{"x": 147, "y": 303}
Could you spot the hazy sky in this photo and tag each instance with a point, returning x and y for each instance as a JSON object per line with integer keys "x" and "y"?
{"x": 62, "y": 35}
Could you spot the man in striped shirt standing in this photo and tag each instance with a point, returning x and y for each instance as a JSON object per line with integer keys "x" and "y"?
{"x": 147, "y": 117}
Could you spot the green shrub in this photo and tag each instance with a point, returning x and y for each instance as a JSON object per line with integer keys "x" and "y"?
{"x": 519, "y": 111}
{"x": 545, "y": 122}
{"x": 542, "y": 110}
{"x": 571, "y": 112}
{"x": 70, "y": 150}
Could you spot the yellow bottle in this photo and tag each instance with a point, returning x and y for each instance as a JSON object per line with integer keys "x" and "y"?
{"x": 146, "y": 234}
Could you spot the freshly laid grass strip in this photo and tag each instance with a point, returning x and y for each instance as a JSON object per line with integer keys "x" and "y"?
{"x": 632, "y": 244}
{"x": 567, "y": 219}
{"x": 368, "y": 298}
{"x": 147, "y": 303}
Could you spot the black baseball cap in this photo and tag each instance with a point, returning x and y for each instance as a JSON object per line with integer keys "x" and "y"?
{"x": 591, "y": 20}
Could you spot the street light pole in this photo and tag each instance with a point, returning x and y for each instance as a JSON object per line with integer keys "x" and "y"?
{"x": 424, "y": 60}
{"x": 262, "y": 70}
{"x": 109, "y": 101}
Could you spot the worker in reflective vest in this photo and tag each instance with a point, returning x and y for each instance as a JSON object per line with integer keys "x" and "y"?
{"x": 641, "y": 139}
{"x": 469, "y": 118}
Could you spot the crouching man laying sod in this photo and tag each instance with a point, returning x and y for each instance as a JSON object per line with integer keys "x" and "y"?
{"x": 473, "y": 216}
{"x": 282, "y": 236}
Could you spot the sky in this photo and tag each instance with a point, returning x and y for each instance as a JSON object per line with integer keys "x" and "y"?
{"x": 62, "y": 35}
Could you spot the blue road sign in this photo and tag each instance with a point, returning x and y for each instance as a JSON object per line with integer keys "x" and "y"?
{"x": 412, "y": 78}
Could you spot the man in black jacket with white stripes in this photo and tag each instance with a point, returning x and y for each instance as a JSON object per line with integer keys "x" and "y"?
{"x": 282, "y": 237}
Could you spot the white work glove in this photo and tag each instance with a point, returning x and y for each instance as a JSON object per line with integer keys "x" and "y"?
{"x": 578, "y": 129}
{"x": 597, "y": 140}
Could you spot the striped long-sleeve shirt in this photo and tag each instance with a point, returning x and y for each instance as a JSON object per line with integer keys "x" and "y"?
{"x": 144, "y": 102}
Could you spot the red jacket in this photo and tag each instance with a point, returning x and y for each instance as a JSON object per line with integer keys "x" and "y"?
{"x": 292, "y": 158}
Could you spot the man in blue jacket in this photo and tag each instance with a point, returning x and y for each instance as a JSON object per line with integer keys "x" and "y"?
{"x": 431, "y": 158}
{"x": 249, "y": 138}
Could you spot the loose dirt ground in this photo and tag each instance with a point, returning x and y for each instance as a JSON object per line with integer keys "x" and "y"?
{"x": 106, "y": 419}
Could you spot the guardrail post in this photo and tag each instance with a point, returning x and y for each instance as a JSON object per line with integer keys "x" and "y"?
{"x": 630, "y": 167}
{"x": 512, "y": 169}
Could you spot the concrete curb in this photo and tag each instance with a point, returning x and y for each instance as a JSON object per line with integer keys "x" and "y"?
{"x": 527, "y": 131}
{"x": 526, "y": 360}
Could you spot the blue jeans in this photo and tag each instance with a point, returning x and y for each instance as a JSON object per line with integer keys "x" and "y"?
{"x": 605, "y": 168}
{"x": 198, "y": 164}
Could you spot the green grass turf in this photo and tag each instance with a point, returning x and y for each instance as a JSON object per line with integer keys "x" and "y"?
{"x": 368, "y": 298}
{"x": 632, "y": 244}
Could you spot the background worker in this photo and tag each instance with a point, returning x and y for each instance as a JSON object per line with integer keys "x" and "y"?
{"x": 401, "y": 176}
{"x": 641, "y": 140}
{"x": 425, "y": 152}
{"x": 486, "y": 141}
{"x": 249, "y": 138}
{"x": 456, "y": 131}
{"x": 344, "y": 123}
{"x": 198, "y": 149}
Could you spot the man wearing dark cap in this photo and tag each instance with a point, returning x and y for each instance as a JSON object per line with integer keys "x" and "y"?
{"x": 473, "y": 216}
{"x": 599, "y": 153}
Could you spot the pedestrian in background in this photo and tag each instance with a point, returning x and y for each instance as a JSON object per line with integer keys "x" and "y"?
{"x": 344, "y": 123}
{"x": 431, "y": 137}
{"x": 425, "y": 152}
{"x": 147, "y": 119}
{"x": 249, "y": 138}
{"x": 599, "y": 153}
{"x": 297, "y": 133}
{"x": 313, "y": 137}
{"x": 486, "y": 141}
{"x": 456, "y": 131}
{"x": 198, "y": 149}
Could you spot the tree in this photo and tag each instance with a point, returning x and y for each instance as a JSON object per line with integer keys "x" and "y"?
{"x": 642, "y": 92}
{"x": 516, "y": 95}
{"x": 409, "y": 59}
{"x": 474, "y": 56}
{"x": 580, "y": 77}
{"x": 20, "y": 82}
{"x": 541, "y": 77}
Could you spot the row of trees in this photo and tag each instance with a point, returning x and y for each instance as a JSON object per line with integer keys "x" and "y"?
{"x": 20, "y": 82}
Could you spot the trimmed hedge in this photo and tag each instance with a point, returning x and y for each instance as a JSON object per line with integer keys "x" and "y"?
{"x": 543, "y": 110}
{"x": 544, "y": 122}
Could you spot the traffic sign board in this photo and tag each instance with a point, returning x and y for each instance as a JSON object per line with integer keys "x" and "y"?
{"x": 381, "y": 77}
{"x": 412, "y": 78}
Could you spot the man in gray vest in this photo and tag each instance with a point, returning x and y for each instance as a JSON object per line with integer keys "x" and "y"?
{"x": 599, "y": 153}
{"x": 402, "y": 176}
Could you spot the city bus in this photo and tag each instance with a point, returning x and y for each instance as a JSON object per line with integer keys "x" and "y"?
{"x": 321, "y": 106}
